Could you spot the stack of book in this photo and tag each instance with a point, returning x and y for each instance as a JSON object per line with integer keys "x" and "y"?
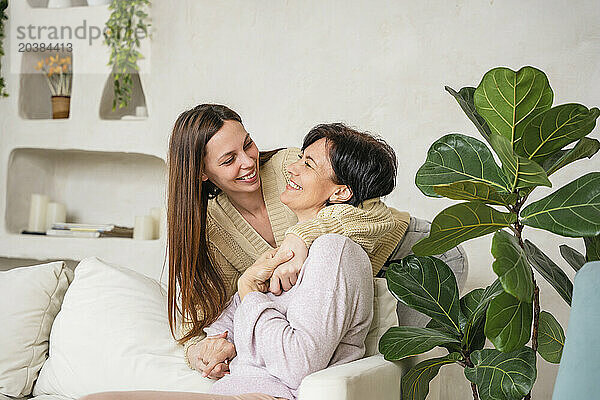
{"x": 89, "y": 230}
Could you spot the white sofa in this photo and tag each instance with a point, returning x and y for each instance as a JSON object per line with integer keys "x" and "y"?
{"x": 96, "y": 344}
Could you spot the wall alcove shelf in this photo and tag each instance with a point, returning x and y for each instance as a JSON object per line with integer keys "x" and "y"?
{"x": 96, "y": 187}
{"x": 34, "y": 94}
{"x": 138, "y": 100}
{"x": 85, "y": 182}
{"x": 73, "y": 3}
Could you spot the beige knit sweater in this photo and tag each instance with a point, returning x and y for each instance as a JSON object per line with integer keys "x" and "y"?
{"x": 234, "y": 245}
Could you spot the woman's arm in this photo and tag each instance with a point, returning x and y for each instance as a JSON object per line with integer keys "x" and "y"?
{"x": 374, "y": 226}
{"x": 212, "y": 354}
{"x": 365, "y": 224}
{"x": 225, "y": 320}
{"x": 335, "y": 292}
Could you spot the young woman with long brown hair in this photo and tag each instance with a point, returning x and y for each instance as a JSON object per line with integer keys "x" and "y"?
{"x": 224, "y": 212}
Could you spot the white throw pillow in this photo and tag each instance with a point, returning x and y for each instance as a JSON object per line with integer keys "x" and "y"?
{"x": 113, "y": 334}
{"x": 384, "y": 315}
{"x": 30, "y": 298}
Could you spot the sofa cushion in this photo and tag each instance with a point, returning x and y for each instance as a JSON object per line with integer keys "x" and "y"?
{"x": 113, "y": 334}
{"x": 455, "y": 258}
{"x": 384, "y": 315}
{"x": 31, "y": 298}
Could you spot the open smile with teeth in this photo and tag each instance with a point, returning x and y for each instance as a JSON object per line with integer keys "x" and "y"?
{"x": 295, "y": 186}
{"x": 248, "y": 177}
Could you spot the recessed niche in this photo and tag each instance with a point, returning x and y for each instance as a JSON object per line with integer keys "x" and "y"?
{"x": 136, "y": 108}
{"x": 96, "y": 187}
{"x": 62, "y": 3}
{"x": 35, "y": 97}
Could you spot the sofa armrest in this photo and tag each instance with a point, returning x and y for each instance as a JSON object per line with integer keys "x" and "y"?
{"x": 368, "y": 378}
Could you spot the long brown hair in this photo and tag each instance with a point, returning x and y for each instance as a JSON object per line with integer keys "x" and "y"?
{"x": 202, "y": 287}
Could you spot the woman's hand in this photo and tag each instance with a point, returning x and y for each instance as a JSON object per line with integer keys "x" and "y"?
{"x": 255, "y": 278}
{"x": 211, "y": 356}
{"x": 286, "y": 275}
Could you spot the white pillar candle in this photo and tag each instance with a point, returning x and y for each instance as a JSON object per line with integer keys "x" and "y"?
{"x": 156, "y": 217}
{"x": 55, "y": 212}
{"x": 162, "y": 227}
{"x": 37, "y": 213}
{"x": 159, "y": 214}
{"x": 141, "y": 111}
{"x": 143, "y": 228}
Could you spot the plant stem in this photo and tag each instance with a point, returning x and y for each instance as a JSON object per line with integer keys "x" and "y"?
{"x": 536, "y": 314}
{"x": 473, "y": 386}
{"x": 474, "y": 389}
{"x": 518, "y": 229}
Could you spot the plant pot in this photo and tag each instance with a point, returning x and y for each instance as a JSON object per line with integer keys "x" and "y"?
{"x": 59, "y": 3}
{"x": 98, "y": 2}
{"x": 61, "y": 106}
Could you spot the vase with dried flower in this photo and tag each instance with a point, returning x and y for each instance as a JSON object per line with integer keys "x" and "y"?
{"x": 59, "y": 76}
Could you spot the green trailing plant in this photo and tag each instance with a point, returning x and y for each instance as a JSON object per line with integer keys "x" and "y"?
{"x": 3, "y": 17}
{"x": 124, "y": 29}
{"x": 513, "y": 111}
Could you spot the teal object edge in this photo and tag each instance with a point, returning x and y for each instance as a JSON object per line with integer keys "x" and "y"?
{"x": 579, "y": 372}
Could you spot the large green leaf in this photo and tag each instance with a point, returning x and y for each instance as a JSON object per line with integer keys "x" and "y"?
{"x": 428, "y": 285}
{"x": 511, "y": 266}
{"x": 508, "y": 322}
{"x": 459, "y": 223}
{"x": 502, "y": 376}
{"x": 555, "y": 128}
{"x": 404, "y": 341}
{"x": 573, "y": 210}
{"x": 586, "y": 147}
{"x": 551, "y": 338}
{"x": 473, "y": 336}
{"x": 415, "y": 383}
{"x": 457, "y": 157}
{"x": 592, "y": 248}
{"x": 451, "y": 346}
{"x": 519, "y": 171}
{"x": 507, "y": 99}
{"x": 572, "y": 256}
{"x": 468, "y": 305}
{"x": 550, "y": 271}
{"x": 475, "y": 191}
{"x": 464, "y": 97}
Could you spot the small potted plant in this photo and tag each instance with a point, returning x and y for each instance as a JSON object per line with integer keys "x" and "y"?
{"x": 59, "y": 76}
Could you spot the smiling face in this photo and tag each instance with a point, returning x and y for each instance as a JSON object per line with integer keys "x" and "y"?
{"x": 231, "y": 160}
{"x": 311, "y": 184}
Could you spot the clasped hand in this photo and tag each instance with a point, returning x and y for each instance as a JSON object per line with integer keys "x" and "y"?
{"x": 286, "y": 274}
{"x": 211, "y": 356}
{"x": 256, "y": 277}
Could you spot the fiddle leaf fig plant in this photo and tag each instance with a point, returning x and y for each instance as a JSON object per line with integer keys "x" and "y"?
{"x": 124, "y": 29}
{"x": 514, "y": 113}
{"x": 3, "y": 17}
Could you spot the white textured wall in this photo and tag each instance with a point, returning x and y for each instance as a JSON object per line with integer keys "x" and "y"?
{"x": 380, "y": 66}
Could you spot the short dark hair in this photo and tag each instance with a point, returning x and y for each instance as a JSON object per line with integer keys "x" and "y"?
{"x": 364, "y": 163}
